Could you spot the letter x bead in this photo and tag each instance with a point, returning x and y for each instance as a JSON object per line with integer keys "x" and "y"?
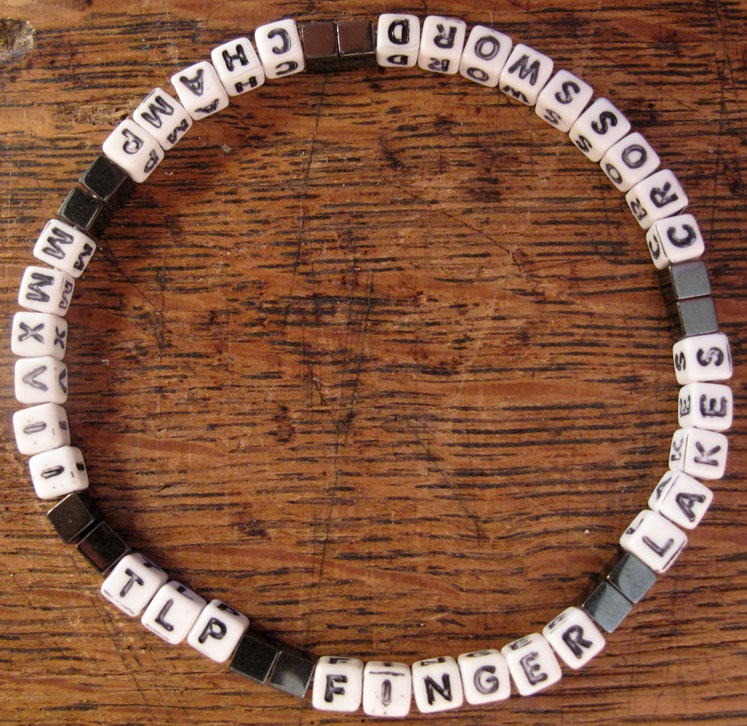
{"x": 338, "y": 684}
{"x": 437, "y": 684}
{"x": 654, "y": 540}
{"x": 532, "y": 664}
{"x": 217, "y": 631}
{"x": 387, "y": 689}
{"x": 681, "y": 499}
{"x": 38, "y": 334}
{"x": 132, "y": 583}
{"x": 574, "y": 637}
{"x": 172, "y": 612}
{"x": 699, "y": 453}
{"x": 484, "y": 676}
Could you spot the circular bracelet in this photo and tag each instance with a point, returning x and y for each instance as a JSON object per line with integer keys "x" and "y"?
{"x": 599, "y": 130}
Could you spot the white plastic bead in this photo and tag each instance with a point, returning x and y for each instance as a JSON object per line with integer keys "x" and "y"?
{"x": 217, "y": 631}
{"x": 484, "y": 676}
{"x": 656, "y": 197}
{"x": 41, "y": 380}
{"x": 674, "y": 239}
{"x": 338, "y": 684}
{"x": 397, "y": 40}
{"x": 200, "y": 90}
{"x": 46, "y": 290}
{"x": 563, "y": 100}
{"x": 63, "y": 246}
{"x": 437, "y": 684}
{"x": 441, "y": 44}
{"x": 163, "y": 117}
{"x": 58, "y": 472}
{"x": 172, "y": 612}
{"x": 574, "y": 637}
{"x": 387, "y": 689}
{"x": 681, "y": 499}
{"x": 702, "y": 358}
{"x": 238, "y": 66}
{"x": 132, "y": 583}
{"x": 525, "y": 74}
{"x": 134, "y": 149}
{"x": 629, "y": 161}
{"x": 654, "y": 540}
{"x": 279, "y": 48}
{"x": 705, "y": 406}
{"x": 532, "y": 664}
{"x": 598, "y": 128}
{"x": 38, "y": 334}
{"x": 484, "y": 56}
{"x": 41, "y": 428}
{"x": 699, "y": 453}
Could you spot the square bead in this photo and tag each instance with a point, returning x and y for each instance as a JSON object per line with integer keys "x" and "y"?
{"x": 532, "y": 664}
{"x": 387, "y": 689}
{"x": 441, "y": 44}
{"x": 484, "y": 676}
{"x": 356, "y": 44}
{"x": 397, "y": 40}
{"x": 656, "y": 197}
{"x": 41, "y": 380}
{"x": 702, "y": 358}
{"x": 108, "y": 182}
{"x": 338, "y": 684}
{"x": 58, "y": 472}
{"x": 38, "y": 334}
{"x": 699, "y": 453}
{"x": 41, "y": 428}
{"x": 681, "y": 499}
{"x": 163, "y": 117}
{"x": 255, "y": 656}
{"x": 629, "y": 161}
{"x": 238, "y": 67}
{"x": 606, "y": 606}
{"x": 563, "y": 100}
{"x": 654, "y": 540}
{"x": 706, "y": 406}
{"x": 279, "y": 48}
{"x": 217, "y": 631}
{"x": 598, "y": 128}
{"x": 132, "y": 583}
{"x": 63, "y": 246}
{"x": 102, "y": 547}
{"x": 525, "y": 74}
{"x": 200, "y": 91}
{"x": 86, "y": 212}
{"x": 134, "y": 149}
{"x": 694, "y": 316}
{"x": 73, "y": 515}
{"x": 631, "y": 577}
{"x": 292, "y": 672}
{"x": 684, "y": 280}
{"x": 437, "y": 684}
{"x": 674, "y": 239}
{"x": 46, "y": 290}
{"x": 574, "y": 637}
{"x": 319, "y": 42}
{"x": 484, "y": 56}
{"x": 172, "y": 612}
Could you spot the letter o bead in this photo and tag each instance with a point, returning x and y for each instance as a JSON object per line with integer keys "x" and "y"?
{"x": 532, "y": 664}
{"x": 172, "y": 612}
{"x": 484, "y": 676}
{"x": 132, "y": 583}
{"x": 437, "y": 684}
{"x": 387, "y": 689}
{"x": 574, "y": 637}
{"x": 338, "y": 684}
{"x": 217, "y": 631}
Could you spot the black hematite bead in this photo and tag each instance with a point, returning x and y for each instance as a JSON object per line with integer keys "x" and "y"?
{"x": 292, "y": 672}
{"x": 685, "y": 280}
{"x": 73, "y": 515}
{"x": 254, "y": 656}
{"x": 320, "y": 47}
{"x": 355, "y": 40}
{"x": 632, "y": 577}
{"x": 606, "y": 606}
{"x": 695, "y": 316}
{"x": 108, "y": 182}
{"x": 103, "y": 547}
{"x": 83, "y": 210}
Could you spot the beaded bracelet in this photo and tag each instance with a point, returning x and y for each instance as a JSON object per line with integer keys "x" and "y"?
{"x": 601, "y": 132}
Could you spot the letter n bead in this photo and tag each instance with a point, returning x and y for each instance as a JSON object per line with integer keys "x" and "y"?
{"x": 437, "y": 684}
{"x": 132, "y": 583}
{"x": 397, "y": 40}
{"x": 654, "y": 540}
{"x": 532, "y": 664}
{"x": 134, "y": 149}
{"x": 574, "y": 637}
{"x": 338, "y": 684}
{"x": 217, "y": 631}
{"x": 484, "y": 676}
{"x": 387, "y": 689}
{"x": 172, "y": 612}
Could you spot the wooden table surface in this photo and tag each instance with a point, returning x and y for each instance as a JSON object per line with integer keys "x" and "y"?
{"x": 377, "y": 358}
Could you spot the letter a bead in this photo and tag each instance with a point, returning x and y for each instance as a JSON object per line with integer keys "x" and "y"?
{"x": 200, "y": 90}
{"x": 338, "y": 684}
{"x": 574, "y": 637}
{"x": 532, "y": 664}
{"x": 387, "y": 689}
{"x": 132, "y": 583}
{"x": 484, "y": 676}
{"x": 437, "y": 684}
{"x": 681, "y": 499}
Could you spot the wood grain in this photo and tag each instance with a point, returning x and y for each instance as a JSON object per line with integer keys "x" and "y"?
{"x": 377, "y": 358}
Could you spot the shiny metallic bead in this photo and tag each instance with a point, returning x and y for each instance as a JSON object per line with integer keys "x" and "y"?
{"x": 694, "y": 316}
{"x": 631, "y": 577}
{"x": 684, "y": 280}
{"x": 255, "y": 656}
{"x": 356, "y": 43}
{"x": 83, "y": 210}
{"x": 103, "y": 547}
{"x": 606, "y": 606}
{"x": 73, "y": 515}
{"x": 319, "y": 41}
{"x": 292, "y": 672}
{"x": 108, "y": 182}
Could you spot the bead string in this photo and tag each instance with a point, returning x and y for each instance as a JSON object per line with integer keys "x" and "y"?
{"x": 601, "y": 132}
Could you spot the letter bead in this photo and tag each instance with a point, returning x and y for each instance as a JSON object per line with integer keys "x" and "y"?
{"x": 132, "y": 583}
{"x": 699, "y": 453}
{"x": 387, "y": 689}
{"x": 525, "y": 74}
{"x": 598, "y": 128}
{"x": 134, "y": 149}
{"x": 441, "y": 44}
{"x": 238, "y": 67}
{"x": 217, "y": 631}
{"x": 279, "y": 48}
{"x": 563, "y": 100}
{"x": 63, "y": 246}
{"x": 41, "y": 380}
{"x": 200, "y": 90}
{"x": 705, "y": 406}
{"x": 674, "y": 239}
{"x": 654, "y": 540}
{"x": 41, "y": 428}
{"x": 172, "y": 612}
{"x": 702, "y": 358}
{"x": 437, "y": 684}
{"x": 629, "y": 161}
{"x": 397, "y": 40}
{"x": 58, "y": 472}
{"x": 338, "y": 684}
{"x": 484, "y": 56}
{"x": 38, "y": 334}
{"x": 532, "y": 664}
{"x": 574, "y": 637}
{"x": 484, "y": 676}
{"x": 656, "y": 197}
{"x": 163, "y": 117}
{"x": 46, "y": 290}
{"x": 681, "y": 499}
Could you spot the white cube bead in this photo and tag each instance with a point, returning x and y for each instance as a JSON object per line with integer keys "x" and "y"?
{"x": 397, "y": 40}
{"x": 629, "y": 161}
{"x": 172, "y": 612}
{"x": 200, "y": 90}
{"x": 441, "y": 44}
{"x": 598, "y": 128}
{"x": 699, "y": 453}
{"x": 681, "y": 499}
{"x": 58, "y": 472}
{"x": 132, "y": 583}
{"x": 705, "y": 406}
{"x": 702, "y": 358}
{"x": 656, "y": 197}
{"x": 654, "y": 540}
{"x": 532, "y": 664}
{"x": 217, "y": 631}
{"x": 484, "y": 676}
{"x": 437, "y": 684}
{"x": 38, "y": 334}
{"x": 485, "y": 53}
{"x": 41, "y": 428}
{"x": 674, "y": 239}
{"x": 134, "y": 149}
{"x": 563, "y": 100}
{"x": 41, "y": 380}
{"x": 63, "y": 246}
{"x": 279, "y": 48}
{"x": 387, "y": 689}
{"x": 238, "y": 66}
{"x": 338, "y": 684}
{"x": 525, "y": 74}
{"x": 46, "y": 290}
{"x": 574, "y": 637}
{"x": 163, "y": 117}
